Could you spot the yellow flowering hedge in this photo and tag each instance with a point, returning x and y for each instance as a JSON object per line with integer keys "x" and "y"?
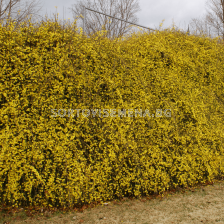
{"x": 59, "y": 161}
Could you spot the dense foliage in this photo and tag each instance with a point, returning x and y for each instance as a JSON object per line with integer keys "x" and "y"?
{"x": 59, "y": 160}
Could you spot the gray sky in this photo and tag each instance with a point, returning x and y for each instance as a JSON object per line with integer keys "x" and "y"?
{"x": 151, "y": 15}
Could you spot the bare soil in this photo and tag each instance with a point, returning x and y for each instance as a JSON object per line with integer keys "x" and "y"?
{"x": 202, "y": 204}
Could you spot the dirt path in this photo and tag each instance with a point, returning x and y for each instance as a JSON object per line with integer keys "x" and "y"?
{"x": 201, "y": 205}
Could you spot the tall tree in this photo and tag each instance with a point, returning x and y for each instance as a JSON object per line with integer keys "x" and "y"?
{"x": 213, "y": 20}
{"x": 18, "y": 12}
{"x": 122, "y": 9}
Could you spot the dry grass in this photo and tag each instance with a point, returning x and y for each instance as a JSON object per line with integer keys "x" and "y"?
{"x": 204, "y": 204}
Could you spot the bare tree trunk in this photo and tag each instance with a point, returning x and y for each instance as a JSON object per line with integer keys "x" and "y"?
{"x": 123, "y": 9}
{"x": 214, "y": 18}
{"x": 18, "y": 13}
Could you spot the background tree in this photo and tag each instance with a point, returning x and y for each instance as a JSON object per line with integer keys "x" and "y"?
{"x": 213, "y": 21}
{"x": 18, "y": 11}
{"x": 123, "y": 9}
